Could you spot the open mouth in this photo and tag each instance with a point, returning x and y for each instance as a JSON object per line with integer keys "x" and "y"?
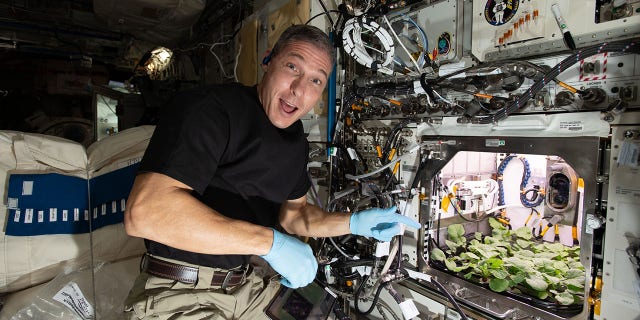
{"x": 287, "y": 108}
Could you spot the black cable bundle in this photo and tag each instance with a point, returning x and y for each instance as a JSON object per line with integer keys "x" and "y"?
{"x": 629, "y": 46}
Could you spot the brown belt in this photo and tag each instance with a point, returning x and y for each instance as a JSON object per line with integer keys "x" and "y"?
{"x": 186, "y": 274}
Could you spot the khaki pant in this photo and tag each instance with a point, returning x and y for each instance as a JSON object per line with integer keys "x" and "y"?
{"x": 159, "y": 298}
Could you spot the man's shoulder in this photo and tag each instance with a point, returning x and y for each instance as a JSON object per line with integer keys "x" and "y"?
{"x": 233, "y": 88}
{"x": 224, "y": 89}
{"x": 229, "y": 96}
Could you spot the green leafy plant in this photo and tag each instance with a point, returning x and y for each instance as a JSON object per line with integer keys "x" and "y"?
{"x": 510, "y": 260}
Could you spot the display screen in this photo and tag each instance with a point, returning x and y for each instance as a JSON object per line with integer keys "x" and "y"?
{"x": 311, "y": 302}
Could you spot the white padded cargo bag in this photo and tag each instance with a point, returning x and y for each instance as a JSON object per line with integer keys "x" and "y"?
{"x": 54, "y": 195}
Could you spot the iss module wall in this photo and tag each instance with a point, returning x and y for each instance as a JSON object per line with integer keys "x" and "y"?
{"x": 510, "y": 129}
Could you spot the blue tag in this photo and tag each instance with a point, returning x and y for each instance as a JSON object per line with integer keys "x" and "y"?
{"x": 53, "y": 203}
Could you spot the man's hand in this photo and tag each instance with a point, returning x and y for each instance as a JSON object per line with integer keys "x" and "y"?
{"x": 292, "y": 259}
{"x": 379, "y": 223}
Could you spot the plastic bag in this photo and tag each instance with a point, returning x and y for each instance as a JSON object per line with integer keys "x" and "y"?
{"x": 72, "y": 295}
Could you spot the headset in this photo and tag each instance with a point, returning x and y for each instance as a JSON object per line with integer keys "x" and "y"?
{"x": 266, "y": 59}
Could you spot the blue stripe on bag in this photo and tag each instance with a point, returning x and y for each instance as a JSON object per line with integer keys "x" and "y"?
{"x": 53, "y": 203}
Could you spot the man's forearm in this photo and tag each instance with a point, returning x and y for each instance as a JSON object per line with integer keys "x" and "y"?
{"x": 313, "y": 221}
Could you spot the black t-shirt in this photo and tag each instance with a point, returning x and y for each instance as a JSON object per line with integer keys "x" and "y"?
{"x": 219, "y": 141}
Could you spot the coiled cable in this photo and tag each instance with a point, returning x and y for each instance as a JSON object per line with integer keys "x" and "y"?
{"x": 355, "y": 47}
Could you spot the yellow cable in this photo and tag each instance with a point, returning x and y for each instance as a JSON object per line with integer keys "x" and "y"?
{"x": 391, "y": 154}
{"x": 566, "y": 86}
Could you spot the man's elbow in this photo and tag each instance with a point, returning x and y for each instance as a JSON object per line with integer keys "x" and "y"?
{"x": 297, "y": 225}
{"x": 134, "y": 221}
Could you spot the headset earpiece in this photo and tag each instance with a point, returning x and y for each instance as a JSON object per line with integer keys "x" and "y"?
{"x": 266, "y": 59}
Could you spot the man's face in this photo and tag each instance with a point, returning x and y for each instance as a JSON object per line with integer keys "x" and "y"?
{"x": 293, "y": 82}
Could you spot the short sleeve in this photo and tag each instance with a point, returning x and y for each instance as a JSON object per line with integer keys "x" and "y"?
{"x": 189, "y": 140}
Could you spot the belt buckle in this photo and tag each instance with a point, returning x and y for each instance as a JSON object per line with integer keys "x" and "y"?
{"x": 227, "y": 277}
{"x": 230, "y": 273}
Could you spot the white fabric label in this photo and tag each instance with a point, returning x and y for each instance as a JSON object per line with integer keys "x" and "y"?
{"x": 382, "y": 249}
{"x": 16, "y": 217}
{"x": 40, "y": 216}
{"x": 71, "y": 296}
{"x": 123, "y": 203}
{"x": 65, "y": 215}
{"x": 114, "y": 206}
{"x": 53, "y": 214}
{"x": 27, "y": 188}
{"x": 12, "y": 203}
{"x": 86, "y": 214}
{"x": 95, "y": 213}
{"x": 28, "y": 216}
{"x": 76, "y": 214}
{"x": 409, "y": 309}
{"x": 103, "y": 208}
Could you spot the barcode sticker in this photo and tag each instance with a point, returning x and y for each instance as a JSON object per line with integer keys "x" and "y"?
{"x": 572, "y": 125}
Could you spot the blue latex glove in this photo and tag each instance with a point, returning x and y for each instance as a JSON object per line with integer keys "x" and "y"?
{"x": 292, "y": 259}
{"x": 379, "y": 223}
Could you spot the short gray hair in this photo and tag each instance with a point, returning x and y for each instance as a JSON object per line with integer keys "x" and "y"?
{"x": 305, "y": 33}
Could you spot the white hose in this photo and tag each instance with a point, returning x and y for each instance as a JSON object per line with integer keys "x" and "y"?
{"x": 389, "y": 261}
{"x": 415, "y": 63}
{"x": 335, "y": 245}
{"x": 500, "y": 208}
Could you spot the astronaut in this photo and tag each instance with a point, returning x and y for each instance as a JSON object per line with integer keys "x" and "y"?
{"x": 498, "y": 11}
